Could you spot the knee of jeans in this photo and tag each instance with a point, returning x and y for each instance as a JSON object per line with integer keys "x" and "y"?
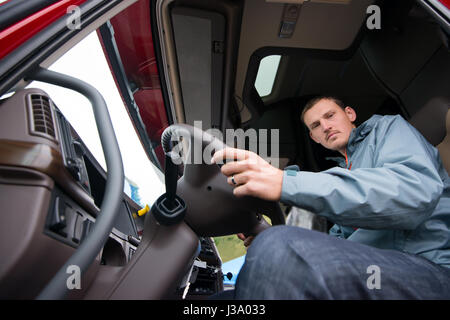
{"x": 274, "y": 238}
{"x": 294, "y": 239}
{"x": 279, "y": 250}
{"x": 268, "y": 244}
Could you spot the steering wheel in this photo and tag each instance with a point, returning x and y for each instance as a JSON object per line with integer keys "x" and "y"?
{"x": 212, "y": 209}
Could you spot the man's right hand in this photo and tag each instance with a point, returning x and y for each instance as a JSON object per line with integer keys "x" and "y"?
{"x": 247, "y": 240}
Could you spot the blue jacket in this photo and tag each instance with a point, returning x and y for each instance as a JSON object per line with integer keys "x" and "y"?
{"x": 396, "y": 195}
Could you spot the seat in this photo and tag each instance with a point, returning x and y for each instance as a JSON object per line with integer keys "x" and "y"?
{"x": 433, "y": 122}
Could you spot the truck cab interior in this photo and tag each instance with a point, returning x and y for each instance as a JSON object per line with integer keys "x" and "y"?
{"x": 231, "y": 64}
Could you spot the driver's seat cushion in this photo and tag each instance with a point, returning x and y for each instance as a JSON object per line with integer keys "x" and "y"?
{"x": 433, "y": 121}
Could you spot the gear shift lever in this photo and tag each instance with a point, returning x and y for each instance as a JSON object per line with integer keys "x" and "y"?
{"x": 170, "y": 174}
{"x": 169, "y": 208}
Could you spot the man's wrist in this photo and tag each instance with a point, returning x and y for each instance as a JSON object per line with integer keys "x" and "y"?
{"x": 289, "y": 173}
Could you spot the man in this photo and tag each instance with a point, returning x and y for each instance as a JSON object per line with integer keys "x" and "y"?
{"x": 390, "y": 200}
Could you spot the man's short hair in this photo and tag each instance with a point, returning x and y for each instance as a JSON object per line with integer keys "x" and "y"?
{"x": 312, "y": 102}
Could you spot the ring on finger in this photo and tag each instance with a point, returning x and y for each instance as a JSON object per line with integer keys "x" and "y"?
{"x": 232, "y": 180}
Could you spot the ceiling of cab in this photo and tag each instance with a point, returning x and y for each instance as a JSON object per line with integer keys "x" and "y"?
{"x": 320, "y": 24}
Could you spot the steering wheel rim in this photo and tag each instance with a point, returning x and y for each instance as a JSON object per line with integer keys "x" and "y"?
{"x": 203, "y": 186}
{"x": 87, "y": 251}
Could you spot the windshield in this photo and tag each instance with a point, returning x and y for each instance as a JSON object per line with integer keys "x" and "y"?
{"x": 86, "y": 61}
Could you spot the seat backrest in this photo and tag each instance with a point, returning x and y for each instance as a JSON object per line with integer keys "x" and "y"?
{"x": 433, "y": 121}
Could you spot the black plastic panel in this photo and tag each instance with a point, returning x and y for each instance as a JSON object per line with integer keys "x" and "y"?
{"x": 66, "y": 220}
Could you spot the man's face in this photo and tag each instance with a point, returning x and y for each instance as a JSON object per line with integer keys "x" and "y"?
{"x": 330, "y": 125}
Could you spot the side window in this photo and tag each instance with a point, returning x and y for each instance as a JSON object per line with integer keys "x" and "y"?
{"x": 267, "y": 72}
{"x": 86, "y": 61}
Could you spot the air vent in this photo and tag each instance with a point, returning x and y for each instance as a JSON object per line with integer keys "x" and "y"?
{"x": 42, "y": 117}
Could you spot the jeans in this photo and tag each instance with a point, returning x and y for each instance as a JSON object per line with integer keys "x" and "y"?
{"x": 286, "y": 262}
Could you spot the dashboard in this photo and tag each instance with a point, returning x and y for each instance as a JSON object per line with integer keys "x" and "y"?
{"x": 51, "y": 189}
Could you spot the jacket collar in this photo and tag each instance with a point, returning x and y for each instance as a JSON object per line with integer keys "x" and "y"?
{"x": 357, "y": 135}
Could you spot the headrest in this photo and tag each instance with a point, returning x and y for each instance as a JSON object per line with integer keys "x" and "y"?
{"x": 430, "y": 121}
